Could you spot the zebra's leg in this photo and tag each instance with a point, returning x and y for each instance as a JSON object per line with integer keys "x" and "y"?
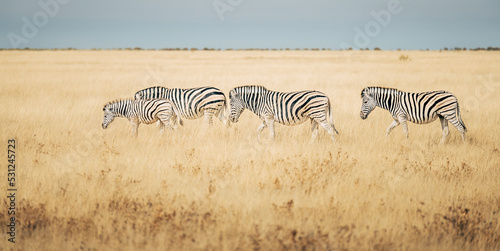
{"x": 168, "y": 124}
{"x": 173, "y": 119}
{"x": 135, "y": 128}
{"x": 166, "y": 120}
{"x": 452, "y": 118}
{"x": 328, "y": 128}
{"x": 444, "y": 126}
{"x": 161, "y": 126}
{"x": 220, "y": 115}
{"x": 391, "y": 126}
{"x": 261, "y": 127}
{"x": 405, "y": 127}
{"x": 314, "y": 130}
{"x": 208, "y": 117}
{"x": 270, "y": 124}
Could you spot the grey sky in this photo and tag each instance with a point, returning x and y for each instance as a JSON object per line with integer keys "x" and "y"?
{"x": 250, "y": 24}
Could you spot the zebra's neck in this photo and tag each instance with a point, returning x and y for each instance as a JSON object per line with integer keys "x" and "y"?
{"x": 386, "y": 98}
{"x": 253, "y": 98}
{"x": 121, "y": 108}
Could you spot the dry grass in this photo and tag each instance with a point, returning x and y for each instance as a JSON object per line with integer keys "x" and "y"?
{"x": 82, "y": 187}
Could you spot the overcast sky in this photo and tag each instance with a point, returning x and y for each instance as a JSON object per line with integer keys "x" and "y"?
{"x": 155, "y": 24}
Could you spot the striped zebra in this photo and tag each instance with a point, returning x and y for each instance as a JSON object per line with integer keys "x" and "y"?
{"x": 419, "y": 108}
{"x": 287, "y": 108}
{"x": 191, "y": 103}
{"x": 141, "y": 111}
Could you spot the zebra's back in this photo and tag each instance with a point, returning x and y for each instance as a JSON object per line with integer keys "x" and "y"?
{"x": 292, "y": 108}
{"x": 424, "y": 107}
{"x": 191, "y": 103}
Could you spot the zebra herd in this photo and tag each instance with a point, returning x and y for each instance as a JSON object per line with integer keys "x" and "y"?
{"x": 168, "y": 106}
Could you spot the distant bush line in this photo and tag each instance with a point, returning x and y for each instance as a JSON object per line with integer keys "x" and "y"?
{"x": 247, "y": 49}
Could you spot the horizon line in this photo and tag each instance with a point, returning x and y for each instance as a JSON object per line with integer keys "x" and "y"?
{"x": 456, "y": 48}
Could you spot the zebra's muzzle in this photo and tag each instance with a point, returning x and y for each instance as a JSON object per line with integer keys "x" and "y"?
{"x": 233, "y": 119}
{"x": 104, "y": 126}
{"x": 362, "y": 115}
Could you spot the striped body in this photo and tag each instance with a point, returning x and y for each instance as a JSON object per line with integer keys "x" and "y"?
{"x": 287, "y": 108}
{"x": 419, "y": 108}
{"x": 191, "y": 103}
{"x": 141, "y": 111}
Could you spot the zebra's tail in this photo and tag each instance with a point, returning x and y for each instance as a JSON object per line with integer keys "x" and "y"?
{"x": 331, "y": 117}
{"x": 459, "y": 118}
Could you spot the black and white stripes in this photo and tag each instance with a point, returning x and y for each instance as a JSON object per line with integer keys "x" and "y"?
{"x": 169, "y": 105}
{"x": 420, "y": 108}
{"x": 287, "y": 108}
{"x": 142, "y": 111}
{"x": 192, "y": 103}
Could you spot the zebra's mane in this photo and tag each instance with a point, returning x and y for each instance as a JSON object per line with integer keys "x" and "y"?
{"x": 156, "y": 87}
{"x": 373, "y": 89}
{"x": 117, "y": 101}
{"x": 152, "y": 88}
{"x": 253, "y": 88}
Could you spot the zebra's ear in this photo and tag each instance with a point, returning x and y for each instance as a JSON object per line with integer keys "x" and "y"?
{"x": 363, "y": 93}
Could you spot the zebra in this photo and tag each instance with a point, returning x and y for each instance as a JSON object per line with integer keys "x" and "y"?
{"x": 141, "y": 111}
{"x": 419, "y": 108}
{"x": 287, "y": 108}
{"x": 191, "y": 103}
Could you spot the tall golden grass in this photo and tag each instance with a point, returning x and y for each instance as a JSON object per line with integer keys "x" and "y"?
{"x": 81, "y": 187}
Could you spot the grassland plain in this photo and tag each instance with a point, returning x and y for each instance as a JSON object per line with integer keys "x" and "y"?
{"x": 81, "y": 187}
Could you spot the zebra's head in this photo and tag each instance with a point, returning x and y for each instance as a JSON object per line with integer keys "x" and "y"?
{"x": 236, "y": 104}
{"x": 367, "y": 105}
{"x": 109, "y": 115}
